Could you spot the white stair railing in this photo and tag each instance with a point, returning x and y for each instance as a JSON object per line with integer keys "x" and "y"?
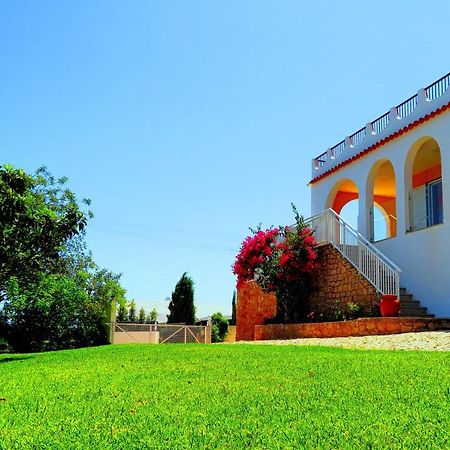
{"x": 377, "y": 268}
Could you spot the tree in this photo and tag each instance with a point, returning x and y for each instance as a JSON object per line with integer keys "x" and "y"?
{"x": 39, "y": 216}
{"x": 233, "y": 309}
{"x": 152, "y": 316}
{"x": 53, "y": 313}
{"x": 54, "y": 295}
{"x": 132, "y": 312}
{"x": 141, "y": 318}
{"x": 122, "y": 313}
{"x": 219, "y": 327}
{"x": 181, "y": 306}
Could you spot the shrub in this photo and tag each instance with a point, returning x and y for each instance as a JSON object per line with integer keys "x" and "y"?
{"x": 281, "y": 260}
{"x": 53, "y": 313}
{"x": 219, "y": 327}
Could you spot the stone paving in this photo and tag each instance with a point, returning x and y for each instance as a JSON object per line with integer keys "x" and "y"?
{"x": 427, "y": 340}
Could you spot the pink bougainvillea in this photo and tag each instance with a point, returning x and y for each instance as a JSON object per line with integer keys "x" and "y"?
{"x": 280, "y": 260}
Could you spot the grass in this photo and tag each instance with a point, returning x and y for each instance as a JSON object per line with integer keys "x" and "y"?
{"x": 224, "y": 396}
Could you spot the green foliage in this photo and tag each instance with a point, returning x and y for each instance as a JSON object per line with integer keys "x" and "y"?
{"x": 181, "y": 307}
{"x": 47, "y": 274}
{"x": 197, "y": 396}
{"x": 281, "y": 260}
{"x": 132, "y": 311}
{"x": 141, "y": 317}
{"x": 152, "y": 316}
{"x": 332, "y": 311}
{"x": 53, "y": 313}
{"x": 233, "y": 309}
{"x": 39, "y": 217}
{"x": 122, "y": 313}
{"x": 219, "y": 327}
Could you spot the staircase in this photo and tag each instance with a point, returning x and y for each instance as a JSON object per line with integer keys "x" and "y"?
{"x": 377, "y": 268}
{"x": 410, "y": 307}
{"x": 330, "y": 228}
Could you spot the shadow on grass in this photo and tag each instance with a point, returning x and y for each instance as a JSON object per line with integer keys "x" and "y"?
{"x": 14, "y": 358}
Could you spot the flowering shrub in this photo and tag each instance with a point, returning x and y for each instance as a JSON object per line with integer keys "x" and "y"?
{"x": 280, "y": 260}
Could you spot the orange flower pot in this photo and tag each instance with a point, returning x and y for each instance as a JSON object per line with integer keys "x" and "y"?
{"x": 389, "y": 305}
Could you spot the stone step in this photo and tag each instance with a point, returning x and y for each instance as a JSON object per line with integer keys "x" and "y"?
{"x": 417, "y": 316}
{"x": 409, "y": 304}
{"x": 417, "y": 312}
{"x": 409, "y": 307}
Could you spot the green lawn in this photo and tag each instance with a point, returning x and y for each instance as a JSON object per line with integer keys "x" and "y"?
{"x": 225, "y": 396}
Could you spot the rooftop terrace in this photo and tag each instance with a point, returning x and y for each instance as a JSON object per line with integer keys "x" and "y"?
{"x": 426, "y": 101}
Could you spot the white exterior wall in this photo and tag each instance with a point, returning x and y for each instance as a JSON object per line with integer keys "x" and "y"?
{"x": 423, "y": 255}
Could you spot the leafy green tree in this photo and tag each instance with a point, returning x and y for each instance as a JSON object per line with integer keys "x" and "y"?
{"x": 132, "y": 311}
{"x": 39, "y": 216}
{"x": 45, "y": 266}
{"x": 53, "y": 313}
{"x": 152, "y": 316}
{"x": 233, "y": 309}
{"x": 141, "y": 318}
{"x": 219, "y": 327}
{"x": 181, "y": 306}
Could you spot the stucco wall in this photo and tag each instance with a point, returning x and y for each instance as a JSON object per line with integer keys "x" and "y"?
{"x": 136, "y": 337}
{"x": 424, "y": 255}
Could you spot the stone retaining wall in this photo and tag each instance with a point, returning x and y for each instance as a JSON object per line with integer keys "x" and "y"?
{"x": 358, "y": 327}
{"x": 338, "y": 284}
{"x": 253, "y": 308}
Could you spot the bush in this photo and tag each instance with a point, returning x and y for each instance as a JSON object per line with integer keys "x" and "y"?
{"x": 219, "y": 327}
{"x": 335, "y": 311}
{"x": 281, "y": 260}
{"x": 53, "y": 313}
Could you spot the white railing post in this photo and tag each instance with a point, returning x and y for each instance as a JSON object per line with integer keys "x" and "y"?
{"x": 377, "y": 268}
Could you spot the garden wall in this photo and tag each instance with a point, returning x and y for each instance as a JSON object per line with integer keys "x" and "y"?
{"x": 358, "y": 327}
{"x": 336, "y": 284}
{"x": 253, "y": 308}
{"x": 231, "y": 335}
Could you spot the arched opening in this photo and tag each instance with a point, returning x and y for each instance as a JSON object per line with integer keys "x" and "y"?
{"x": 343, "y": 198}
{"x": 424, "y": 185}
{"x": 383, "y": 210}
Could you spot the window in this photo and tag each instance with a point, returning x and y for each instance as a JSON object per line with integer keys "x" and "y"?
{"x": 435, "y": 204}
{"x": 426, "y": 205}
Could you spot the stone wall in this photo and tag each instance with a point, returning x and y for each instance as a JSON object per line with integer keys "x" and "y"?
{"x": 253, "y": 308}
{"x": 338, "y": 283}
{"x": 358, "y": 327}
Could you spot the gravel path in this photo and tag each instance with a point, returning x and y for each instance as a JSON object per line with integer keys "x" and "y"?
{"x": 427, "y": 340}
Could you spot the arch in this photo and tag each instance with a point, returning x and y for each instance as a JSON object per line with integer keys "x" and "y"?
{"x": 382, "y": 200}
{"x": 423, "y": 184}
{"x": 342, "y": 193}
{"x": 343, "y": 198}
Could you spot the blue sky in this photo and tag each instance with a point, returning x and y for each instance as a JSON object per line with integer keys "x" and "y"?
{"x": 186, "y": 122}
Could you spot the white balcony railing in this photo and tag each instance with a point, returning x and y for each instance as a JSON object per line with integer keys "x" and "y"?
{"x": 377, "y": 268}
{"x": 419, "y": 105}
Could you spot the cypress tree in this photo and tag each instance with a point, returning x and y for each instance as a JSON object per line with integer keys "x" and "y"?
{"x": 141, "y": 318}
{"x": 122, "y": 313}
{"x": 181, "y": 307}
{"x": 132, "y": 311}
{"x": 233, "y": 309}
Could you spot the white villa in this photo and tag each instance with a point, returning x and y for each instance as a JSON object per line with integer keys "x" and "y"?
{"x": 397, "y": 168}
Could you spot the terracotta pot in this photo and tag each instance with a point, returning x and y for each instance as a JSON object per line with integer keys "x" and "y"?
{"x": 389, "y": 305}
